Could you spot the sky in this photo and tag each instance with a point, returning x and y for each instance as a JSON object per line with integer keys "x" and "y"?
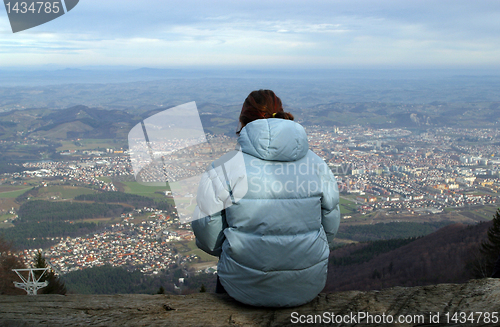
{"x": 316, "y": 34}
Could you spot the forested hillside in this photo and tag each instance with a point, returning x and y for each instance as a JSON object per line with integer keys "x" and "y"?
{"x": 366, "y": 251}
{"x": 386, "y": 231}
{"x": 41, "y": 211}
{"x": 41, "y": 234}
{"x": 117, "y": 280}
{"x": 137, "y": 201}
{"x": 445, "y": 256}
{"x": 41, "y": 222}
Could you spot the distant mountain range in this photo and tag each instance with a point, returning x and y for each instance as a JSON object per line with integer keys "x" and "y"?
{"x": 96, "y": 123}
{"x": 386, "y": 115}
{"x": 299, "y": 90}
{"x": 84, "y": 122}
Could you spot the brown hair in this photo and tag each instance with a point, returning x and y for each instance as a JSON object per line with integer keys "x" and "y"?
{"x": 262, "y": 104}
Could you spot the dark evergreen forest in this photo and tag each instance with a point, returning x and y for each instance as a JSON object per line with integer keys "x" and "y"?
{"x": 118, "y": 280}
{"x": 39, "y": 210}
{"x": 386, "y": 231}
{"x": 137, "y": 201}
{"x": 39, "y": 221}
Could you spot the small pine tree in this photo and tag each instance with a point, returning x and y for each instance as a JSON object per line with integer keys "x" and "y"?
{"x": 376, "y": 274}
{"x": 203, "y": 288}
{"x": 161, "y": 290}
{"x": 490, "y": 249}
{"x": 39, "y": 262}
{"x": 56, "y": 286}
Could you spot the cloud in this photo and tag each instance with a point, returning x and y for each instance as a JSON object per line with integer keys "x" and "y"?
{"x": 336, "y": 33}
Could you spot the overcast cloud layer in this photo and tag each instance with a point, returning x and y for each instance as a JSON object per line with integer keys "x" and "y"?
{"x": 303, "y": 34}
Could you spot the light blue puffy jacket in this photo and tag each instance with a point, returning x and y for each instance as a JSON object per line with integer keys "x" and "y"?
{"x": 274, "y": 242}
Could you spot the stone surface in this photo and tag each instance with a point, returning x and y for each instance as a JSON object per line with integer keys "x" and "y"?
{"x": 207, "y": 309}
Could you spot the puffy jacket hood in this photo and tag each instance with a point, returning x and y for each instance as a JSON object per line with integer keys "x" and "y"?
{"x": 274, "y": 139}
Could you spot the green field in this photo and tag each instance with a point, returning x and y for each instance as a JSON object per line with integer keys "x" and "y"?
{"x": 63, "y": 192}
{"x": 200, "y": 253}
{"x": 347, "y": 207}
{"x": 6, "y": 225}
{"x": 192, "y": 245}
{"x": 203, "y": 255}
{"x": 4, "y": 217}
{"x": 139, "y": 189}
{"x": 13, "y": 194}
{"x": 483, "y": 212}
{"x": 486, "y": 212}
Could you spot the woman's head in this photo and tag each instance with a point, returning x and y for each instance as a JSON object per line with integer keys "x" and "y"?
{"x": 262, "y": 104}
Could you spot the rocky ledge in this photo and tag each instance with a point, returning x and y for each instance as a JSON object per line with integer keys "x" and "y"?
{"x": 475, "y": 303}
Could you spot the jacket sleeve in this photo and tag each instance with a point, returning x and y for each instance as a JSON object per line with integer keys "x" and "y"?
{"x": 209, "y": 232}
{"x": 330, "y": 209}
{"x": 209, "y": 216}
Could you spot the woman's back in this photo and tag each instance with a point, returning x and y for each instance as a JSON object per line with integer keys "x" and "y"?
{"x": 274, "y": 241}
{"x": 275, "y": 251}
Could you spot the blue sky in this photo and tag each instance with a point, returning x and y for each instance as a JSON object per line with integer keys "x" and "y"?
{"x": 282, "y": 34}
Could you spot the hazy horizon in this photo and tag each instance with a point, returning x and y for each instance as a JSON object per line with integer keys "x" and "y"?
{"x": 257, "y": 34}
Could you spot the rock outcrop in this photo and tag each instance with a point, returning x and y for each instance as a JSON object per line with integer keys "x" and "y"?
{"x": 425, "y": 306}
